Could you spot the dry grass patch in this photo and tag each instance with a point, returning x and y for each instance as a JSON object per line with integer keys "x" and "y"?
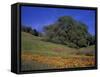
{"x": 59, "y": 62}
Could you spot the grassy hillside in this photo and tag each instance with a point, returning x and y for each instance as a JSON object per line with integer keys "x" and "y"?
{"x": 38, "y": 54}
{"x": 34, "y": 44}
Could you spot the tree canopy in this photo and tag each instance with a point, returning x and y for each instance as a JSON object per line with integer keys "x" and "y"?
{"x": 68, "y": 31}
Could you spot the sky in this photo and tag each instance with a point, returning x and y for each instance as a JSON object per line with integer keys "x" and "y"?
{"x": 38, "y": 17}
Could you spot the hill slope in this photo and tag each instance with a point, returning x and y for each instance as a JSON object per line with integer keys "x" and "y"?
{"x": 38, "y": 54}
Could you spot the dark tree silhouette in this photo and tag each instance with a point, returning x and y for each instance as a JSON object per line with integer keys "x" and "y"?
{"x": 30, "y": 30}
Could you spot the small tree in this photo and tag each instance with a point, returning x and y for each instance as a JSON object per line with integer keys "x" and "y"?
{"x": 30, "y": 30}
{"x": 36, "y": 33}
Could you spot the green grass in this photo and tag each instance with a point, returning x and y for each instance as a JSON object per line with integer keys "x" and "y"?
{"x": 90, "y": 48}
{"x": 35, "y": 45}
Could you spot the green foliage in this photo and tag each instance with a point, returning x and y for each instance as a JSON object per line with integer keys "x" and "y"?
{"x": 70, "y": 32}
{"x": 72, "y": 45}
{"x": 30, "y": 30}
{"x": 82, "y": 42}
